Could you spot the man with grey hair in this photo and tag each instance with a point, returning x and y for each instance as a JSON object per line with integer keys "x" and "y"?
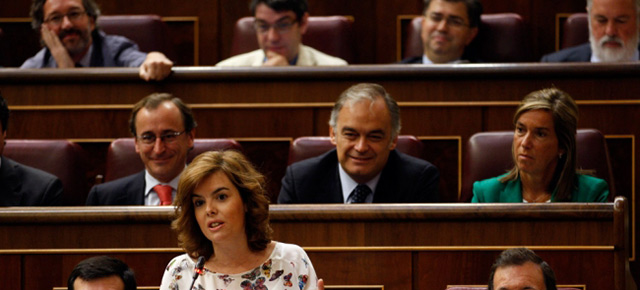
{"x": 364, "y": 167}
{"x": 613, "y": 34}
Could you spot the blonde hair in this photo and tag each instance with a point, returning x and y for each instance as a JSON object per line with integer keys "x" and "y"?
{"x": 249, "y": 182}
{"x": 565, "y": 121}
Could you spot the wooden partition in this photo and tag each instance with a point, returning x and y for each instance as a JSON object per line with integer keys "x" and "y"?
{"x": 396, "y": 246}
{"x": 265, "y": 108}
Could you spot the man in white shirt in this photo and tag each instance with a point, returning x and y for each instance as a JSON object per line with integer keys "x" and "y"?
{"x": 279, "y": 26}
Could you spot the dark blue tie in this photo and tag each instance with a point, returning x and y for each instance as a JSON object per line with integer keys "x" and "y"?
{"x": 359, "y": 195}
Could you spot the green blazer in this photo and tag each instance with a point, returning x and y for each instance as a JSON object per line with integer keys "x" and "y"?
{"x": 590, "y": 189}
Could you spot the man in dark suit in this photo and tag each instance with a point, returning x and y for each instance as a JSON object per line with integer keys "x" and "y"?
{"x": 613, "y": 34}
{"x": 21, "y": 185}
{"x": 447, "y": 28}
{"x": 364, "y": 167}
{"x": 164, "y": 130}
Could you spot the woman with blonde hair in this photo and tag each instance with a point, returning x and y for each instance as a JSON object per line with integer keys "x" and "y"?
{"x": 544, "y": 154}
{"x": 223, "y": 216}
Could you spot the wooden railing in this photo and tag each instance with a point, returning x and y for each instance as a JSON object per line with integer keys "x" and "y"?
{"x": 421, "y": 246}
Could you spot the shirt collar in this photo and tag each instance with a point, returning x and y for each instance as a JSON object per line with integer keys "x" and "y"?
{"x": 426, "y": 60}
{"x": 348, "y": 184}
{"x": 151, "y": 181}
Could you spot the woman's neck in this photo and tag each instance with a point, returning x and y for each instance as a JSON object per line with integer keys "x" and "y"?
{"x": 234, "y": 258}
{"x": 535, "y": 188}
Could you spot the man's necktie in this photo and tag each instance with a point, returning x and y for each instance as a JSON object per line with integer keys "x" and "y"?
{"x": 359, "y": 195}
{"x": 164, "y": 193}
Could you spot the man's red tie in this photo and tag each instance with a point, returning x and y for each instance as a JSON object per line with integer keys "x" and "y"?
{"x": 164, "y": 193}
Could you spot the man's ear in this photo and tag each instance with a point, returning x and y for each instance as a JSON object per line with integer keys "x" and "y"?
{"x": 394, "y": 143}
{"x": 92, "y": 23}
{"x": 304, "y": 23}
{"x": 332, "y": 135}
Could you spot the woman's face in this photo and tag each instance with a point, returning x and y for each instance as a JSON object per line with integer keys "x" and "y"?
{"x": 219, "y": 209}
{"x": 535, "y": 144}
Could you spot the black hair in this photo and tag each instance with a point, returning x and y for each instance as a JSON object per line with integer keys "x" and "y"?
{"x": 101, "y": 267}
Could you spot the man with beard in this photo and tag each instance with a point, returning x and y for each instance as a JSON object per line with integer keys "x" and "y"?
{"x": 69, "y": 34}
{"x": 613, "y": 34}
{"x": 448, "y": 27}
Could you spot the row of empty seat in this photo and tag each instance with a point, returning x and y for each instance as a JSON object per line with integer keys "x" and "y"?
{"x": 487, "y": 154}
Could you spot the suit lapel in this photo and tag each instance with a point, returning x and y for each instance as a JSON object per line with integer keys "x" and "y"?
{"x": 385, "y": 186}
{"x": 336, "y": 186}
{"x": 134, "y": 192}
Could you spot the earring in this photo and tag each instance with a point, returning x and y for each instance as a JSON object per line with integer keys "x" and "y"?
{"x": 560, "y": 156}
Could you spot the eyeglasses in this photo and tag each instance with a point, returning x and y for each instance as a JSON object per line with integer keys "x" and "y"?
{"x": 149, "y": 139}
{"x": 452, "y": 21}
{"x": 56, "y": 19}
{"x": 281, "y": 26}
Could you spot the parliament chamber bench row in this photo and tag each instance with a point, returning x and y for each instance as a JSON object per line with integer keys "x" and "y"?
{"x": 330, "y": 34}
{"x": 265, "y": 110}
{"x": 486, "y": 155}
{"x": 391, "y": 247}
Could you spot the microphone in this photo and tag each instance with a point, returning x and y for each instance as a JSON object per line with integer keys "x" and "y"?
{"x": 198, "y": 270}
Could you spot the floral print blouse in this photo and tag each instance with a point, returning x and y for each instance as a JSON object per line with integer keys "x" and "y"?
{"x": 288, "y": 267}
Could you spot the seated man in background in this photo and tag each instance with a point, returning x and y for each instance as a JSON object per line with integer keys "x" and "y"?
{"x": 21, "y": 185}
{"x": 519, "y": 269}
{"x": 102, "y": 272}
{"x": 164, "y": 129}
{"x": 447, "y": 28}
{"x": 71, "y": 39}
{"x": 279, "y": 26}
{"x": 364, "y": 167}
{"x": 613, "y": 34}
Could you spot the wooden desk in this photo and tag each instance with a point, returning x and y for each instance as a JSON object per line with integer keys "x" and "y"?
{"x": 399, "y": 246}
{"x": 443, "y": 105}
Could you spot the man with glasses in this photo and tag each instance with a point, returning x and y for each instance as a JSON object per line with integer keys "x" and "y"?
{"x": 69, "y": 34}
{"x": 164, "y": 130}
{"x": 279, "y": 26}
{"x": 614, "y": 29}
{"x": 447, "y": 28}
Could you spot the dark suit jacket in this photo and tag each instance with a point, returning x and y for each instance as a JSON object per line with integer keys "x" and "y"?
{"x": 128, "y": 190}
{"x": 21, "y": 185}
{"x": 404, "y": 179}
{"x": 580, "y": 53}
{"x": 412, "y": 59}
